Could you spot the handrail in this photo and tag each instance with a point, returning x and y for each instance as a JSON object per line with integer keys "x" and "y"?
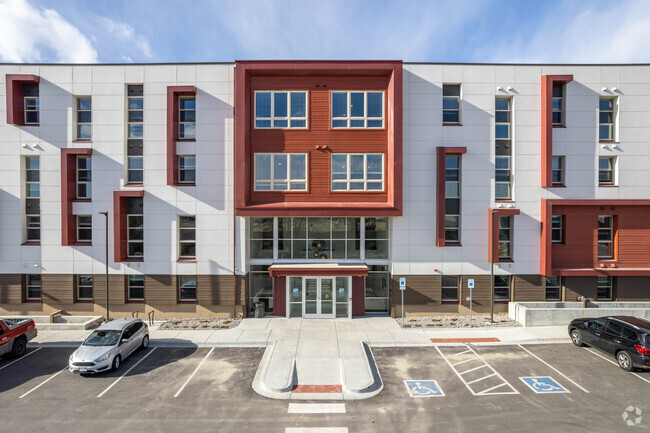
{"x": 151, "y": 317}
{"x": 135, "y": 313}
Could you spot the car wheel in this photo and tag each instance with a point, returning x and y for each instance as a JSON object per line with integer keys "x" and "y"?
{"x": 576, "y": 338}
{"x": 145, "y": 341}
{"x": 19, "y": 347}
{"x": 116, "y": 362}
{"x": 624, "y": 360}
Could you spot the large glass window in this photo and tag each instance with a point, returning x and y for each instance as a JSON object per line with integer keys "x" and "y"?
{"x": 502, "y": 288}
{"x": 84, "y": 287}
{"x": 452, "y": 199}
{"x": 135, "y": 287}
{"x": 377, "y": 289}
{"x": 84, "y": 118}
{"x": 605, "y": 236}
{"x": 357, "y": 172}
{"x": 261, "y": 287}
{"x": 187, "y": 287}
{"x": 558, "y": 104}
{"x": 261, "y": 238}
{"x": 606, "y": 119}
{"x": 606, "y": 165}
{"x": 187, "y": 117}
{"x": 553, "y": 288}
{"x": 280, "y": 171}
{"x": 280, "y": 109}
{"x": 84, "y": 177}
{"x": 357, "y": 109}
{"x": 187, "y": 236}
{"x": 450, "y": 288}
{"x": 604, "y": 289}
{"x": 376, "y": 238}
{"x": 505, "y": 237}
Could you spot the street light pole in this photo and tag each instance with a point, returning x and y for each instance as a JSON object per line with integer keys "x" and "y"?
{"x": 107, "y": 300}
{"x": 492, "y": 213}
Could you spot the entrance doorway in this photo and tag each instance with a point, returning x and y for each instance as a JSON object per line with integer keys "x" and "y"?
{"x": 319, "y": 297}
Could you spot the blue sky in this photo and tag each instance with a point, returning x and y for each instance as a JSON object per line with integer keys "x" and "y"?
{"x": 526, "y": 31}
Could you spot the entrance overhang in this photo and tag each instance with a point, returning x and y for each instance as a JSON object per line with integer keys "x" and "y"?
{"x": 318, "y": 269}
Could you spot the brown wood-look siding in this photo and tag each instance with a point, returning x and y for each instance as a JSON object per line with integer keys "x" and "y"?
{"x": 529, "y": 288}
{"x": 218, "y": 290}
{"x": 580, "y": 286}
{"x": 11, "y": 289}
{"x": 480, "y": 292}
{"x": 57, "y": 289}
{"x": 632, "y": 288}
{"x": 420, "y": 289}
{"x": 116, "y": 288}
{"x": 160, "y": 289}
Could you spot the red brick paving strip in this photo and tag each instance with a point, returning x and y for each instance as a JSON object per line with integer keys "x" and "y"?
{"x": 320, "y": 389}
{"x": 466, "y": 340}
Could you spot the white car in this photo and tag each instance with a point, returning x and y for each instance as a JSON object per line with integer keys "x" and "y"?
{"x": 109, "y": 345}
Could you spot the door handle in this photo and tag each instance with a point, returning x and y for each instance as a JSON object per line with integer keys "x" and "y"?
{"x": 597, "y": 334}
{"x": 618, "y": 341}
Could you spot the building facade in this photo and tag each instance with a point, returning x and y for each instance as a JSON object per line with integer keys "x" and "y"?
{"x": 314, "y": 186}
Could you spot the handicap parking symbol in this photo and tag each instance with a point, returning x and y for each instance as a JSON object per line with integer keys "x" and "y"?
{"x": 423, "y": 388}
{"x": 544, "y": 385}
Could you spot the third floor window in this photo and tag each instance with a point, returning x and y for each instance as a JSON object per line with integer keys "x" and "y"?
{"x": 558, "y": 104}
{"x": 84, "y": 176}
{"x": 606, "y": 119}
{"x": 84, "y": 118}
{"x": 280, "y": 110}
{"x": 356, "y": 109}
{"x": 187, "y": 117}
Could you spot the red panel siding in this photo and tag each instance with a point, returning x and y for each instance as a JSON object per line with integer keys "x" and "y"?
{"x": 173, "y": 92}
{"x": 358, "y": 296}
{"x": 69, "y": 193}
{"x": 440, "y": 190}
{"x": 547, "y": 125}
{"x": 280, "y": 296}
{"x": 119, "y": 222}
{"x": 15, "y": 97}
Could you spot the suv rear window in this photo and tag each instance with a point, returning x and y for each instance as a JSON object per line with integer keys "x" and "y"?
{"x": 629, "y": 334}
{"x": 614, "y": 329}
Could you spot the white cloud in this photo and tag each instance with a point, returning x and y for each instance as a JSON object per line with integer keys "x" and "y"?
{"x": 28, "y": 34}
{"x": 125, "y": 33}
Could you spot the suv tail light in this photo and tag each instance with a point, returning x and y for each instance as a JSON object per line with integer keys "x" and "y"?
{"x": 642, "y": 350}
{"x": 145, "y": 326}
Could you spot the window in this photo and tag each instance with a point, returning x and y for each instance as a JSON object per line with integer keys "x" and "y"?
{"x": 558, "y": 104}
{"x": 84, "y": 177}
{"x": 187, "y": 236}
{"x": 84, "y": 287}
{"x": 606, "y": 119}
{"x": 135, "y": 228}
{"x": 187, "y": 169}
{"x": 376, "y": 235}
{"x": 32, "y": 198}
{"x": 261, "y": 238}
{"x": 505, "y": 237}
{"x": 377, "y": 289}
{"x": 556, "y": 229}
{"x": 261, "y": 287}
{"x": 187, "y": 287}
{"x": 321, "y": 238}
{"x": 558, "y": 170}
{"x": 605, "y": 236}
{"x": 84, "y": 118}
{"x": 31, "y": 110}
{"x": 450, "y": 103}
{"x": 135, "y": 288}
{"x": 449, "y": 288}
{"x": 604, "y": 289}
{"x": 502, "y": 178}
{"x": 33, "y": 287}
{"x": 280, "y": 172}
{"x": 452, "y": 199}
{"x": 357, "y": 172}
{"x": 357, "y": 109}
{"x": 280, "y": 110}
{"x": 606, "y": 165}
{"x": 187, "y": 117}
{"x": 135, "y": 130}
{"x": 503, "y": 148}
{"x": 502, "y": 121}
{"x": 553, "y": 288}
{"x": 502, "y": 288}
{"x": 84, "y": 228}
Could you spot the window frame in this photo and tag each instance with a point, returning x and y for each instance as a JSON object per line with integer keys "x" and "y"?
{"x": 454, "y": 287}
{"x": 288, "y": 179}
{"x": 32, "y": 220}
{"x": 33, "y": 110}
{"x": 458, "y": 216}
{"x": 28, "y": 284}
{"x": 182, "y": 241}
{"x": 180, "y": 284}
{"x": 458, "y": 98}
{"x": 87, "y": 183}
{"x": 611, "y": 125}
{"x": 609, "y": 286}
{"x": 79, "y": 286}
{"x": 508, "y": 241}
{"x": 561, "y": 162}
{"x": 79, "y": 124}
{"x": 288, "y": 117}
{"x": 365, "y": 118}
{"x": 181, "y": 170}
{"x": 181, "y": 123}
{"x": 134, "y": 241}
{"x": 560, "y": 218}
{"x": 84, "y": 228}
{"x": 608, "y": 242}
{"x": 557, "y": 286}
{"x": 507, "y": 170}
{"x": 128, "y": 112}
{"x": 348, "y": 180}
{"x": 498, "y": 298}
{"x": 129, "y": 280}
{"x": 561, "y": 109}
{"x": 611, "y": 171}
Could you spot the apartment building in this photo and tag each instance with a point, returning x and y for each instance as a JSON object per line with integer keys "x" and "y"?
{"x": 314, "y": 186}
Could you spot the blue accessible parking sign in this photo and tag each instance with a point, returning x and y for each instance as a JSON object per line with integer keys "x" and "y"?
{"x": 544, "y": 385}
{"x": 423, "y": 388}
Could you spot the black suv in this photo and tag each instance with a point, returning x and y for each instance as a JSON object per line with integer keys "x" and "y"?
{"x": 625, "y": 337}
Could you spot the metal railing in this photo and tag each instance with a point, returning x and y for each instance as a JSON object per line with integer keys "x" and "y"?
{"x": 135, "y": 313}
{"x": 151, "y": 317}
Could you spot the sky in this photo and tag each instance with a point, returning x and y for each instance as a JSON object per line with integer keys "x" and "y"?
{"x": 502, "y": 31}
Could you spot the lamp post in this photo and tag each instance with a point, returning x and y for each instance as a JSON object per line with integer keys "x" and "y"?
{"x": 492, "y": 213}
{"x": 107, "y": 300}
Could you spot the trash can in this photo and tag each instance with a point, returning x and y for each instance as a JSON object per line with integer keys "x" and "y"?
{"x": 259, "y": 310}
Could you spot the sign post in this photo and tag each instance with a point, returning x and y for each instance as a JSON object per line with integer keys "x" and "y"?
{"x": 402, "y": 288}
{"x": 470, "y": 284}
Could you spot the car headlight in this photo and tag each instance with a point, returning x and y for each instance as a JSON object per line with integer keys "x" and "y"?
{"x": 103, "y": 357}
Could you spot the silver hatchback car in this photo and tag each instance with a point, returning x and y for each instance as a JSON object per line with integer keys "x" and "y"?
{"x": 109, "y": 345}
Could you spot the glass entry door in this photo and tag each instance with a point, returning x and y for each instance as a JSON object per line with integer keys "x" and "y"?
{"x": 318, "y": 297}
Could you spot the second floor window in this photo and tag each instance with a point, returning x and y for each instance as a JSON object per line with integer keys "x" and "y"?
{"x": 187, "y": 117}
{"x": 606, "y": 165}
{"x": 606, "y": 119}
{"x": 280, "y": 109}
{"x": 558, "y": 170}
{"x": 84, "y": 228}
{"x": 31, "y": 110}
{"x": 187, "y": 236}
{"x": 357, "y": 172}
{"x": 280, "y": 172}
{"x": 558, "y": 104}
{"x": 505, "y": 237}
{"x": 605, "y": 236}
{"x": 84, "y": 176}
{"x": 450, "y": 103}
{"x": 452, "y": 199}
{"x": 187, "y": 169}
{"x": 357, "y": 109}
{"x": 32, "y": 198}
{"x": 135, "y": 228}
{"x": 84, "y": 118}
{"x": 556, "y": 229}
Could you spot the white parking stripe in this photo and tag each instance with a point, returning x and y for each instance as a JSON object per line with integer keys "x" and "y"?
{"x": 552, "y": 368}
{"x": 316, "y": 408}
{"x": 481, "y": 378}
{"x": 612, "y": 362}
{"x": 127, "y": 372}
{"x": 463, "y": 362}
{"x": 44, "y": 382}
{"x": 193, "y": 373}
{"x": 22, "y": 357}
{"x": 472, "y": 369}
{"x": 316, "y": 430}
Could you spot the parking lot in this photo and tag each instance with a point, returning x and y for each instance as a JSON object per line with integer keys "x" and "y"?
{"x": 479, "y": 387}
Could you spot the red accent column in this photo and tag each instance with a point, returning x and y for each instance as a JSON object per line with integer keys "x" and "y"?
{"x": 119, "y": 222}
{"x": 547, "y": 125}
{"x": 358, "y": 296}
{"x": 546, "y": 240}
{"x": 280, "y": 296}
{"x": 442, "y": 152}
{"x": 173, "y": 92}
{"x": 493, "y": 233}
{"x": 69, "y": 193}
{"x": 15, "y": 97}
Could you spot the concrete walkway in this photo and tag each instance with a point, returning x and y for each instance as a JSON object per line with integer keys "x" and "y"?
{"x": 320, "y": 358}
